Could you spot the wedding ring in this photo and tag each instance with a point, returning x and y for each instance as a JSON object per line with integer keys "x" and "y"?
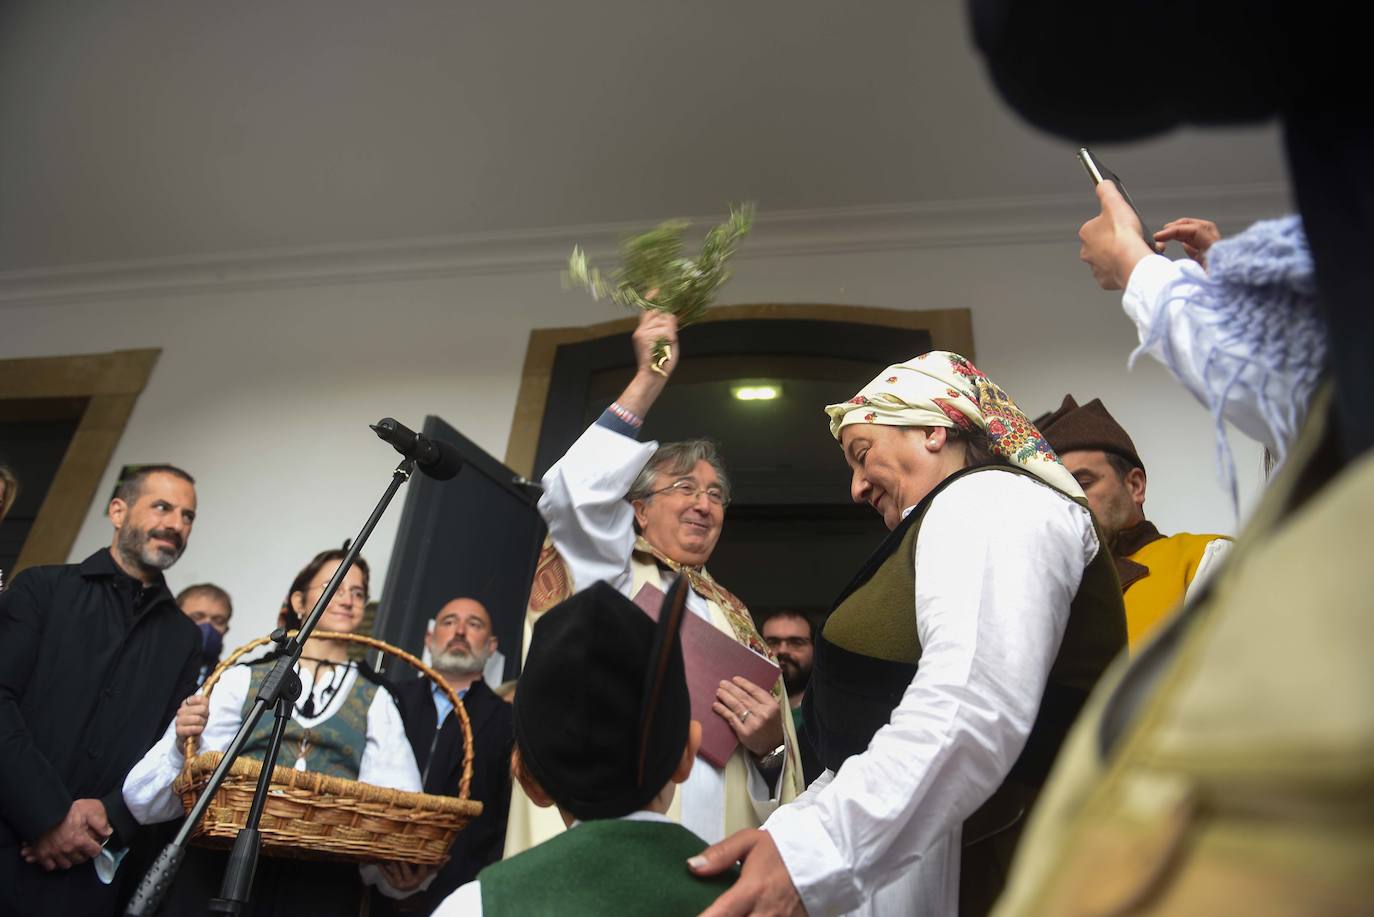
{"x": 745, "y": 715}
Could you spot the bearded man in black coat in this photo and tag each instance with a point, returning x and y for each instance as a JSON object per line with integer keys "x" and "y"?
{"x": 94, "y": 660}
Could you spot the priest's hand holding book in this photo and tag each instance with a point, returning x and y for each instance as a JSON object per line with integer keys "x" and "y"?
{"x": 753, "y": 713}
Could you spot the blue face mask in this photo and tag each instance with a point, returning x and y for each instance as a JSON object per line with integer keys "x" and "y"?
{"x": 211, "y": 643}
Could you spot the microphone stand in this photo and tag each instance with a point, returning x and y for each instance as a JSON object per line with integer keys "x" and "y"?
{"x": 279, "y": 690}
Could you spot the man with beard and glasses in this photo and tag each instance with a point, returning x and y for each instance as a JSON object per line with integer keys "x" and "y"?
{"x": 460, "y": 643}
{"x": 791, "y": 636}
{"x": 96, "y": 657}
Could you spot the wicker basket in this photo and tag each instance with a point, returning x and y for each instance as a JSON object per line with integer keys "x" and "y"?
{"x": 319, "y": 817}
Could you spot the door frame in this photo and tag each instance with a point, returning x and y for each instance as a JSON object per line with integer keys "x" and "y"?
{"x": 111, "y": 383}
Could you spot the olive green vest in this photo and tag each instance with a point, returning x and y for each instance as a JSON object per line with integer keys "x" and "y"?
{"x": 333, "y": 747}
{"x": 608, "y": 866}
{"x": 870, "y": 650}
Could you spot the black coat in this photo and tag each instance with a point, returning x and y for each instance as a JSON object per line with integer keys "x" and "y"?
{"x": 92, "y": 668}
{"x": 493, "y": 736}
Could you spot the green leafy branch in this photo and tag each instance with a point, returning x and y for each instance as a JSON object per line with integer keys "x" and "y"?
{"x": 654, "y": 275}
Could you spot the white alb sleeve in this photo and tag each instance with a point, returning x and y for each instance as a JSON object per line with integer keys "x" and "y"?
{"x": 591, "y": 524}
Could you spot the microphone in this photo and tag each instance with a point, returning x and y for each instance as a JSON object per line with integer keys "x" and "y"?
{"x": 437, "y": 459}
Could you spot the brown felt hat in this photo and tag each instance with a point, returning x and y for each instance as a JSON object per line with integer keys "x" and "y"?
{"x": 1072, "y": 428}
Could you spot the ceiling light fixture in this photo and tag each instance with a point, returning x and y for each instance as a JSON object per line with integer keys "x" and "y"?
{"x": 756, "y": 392}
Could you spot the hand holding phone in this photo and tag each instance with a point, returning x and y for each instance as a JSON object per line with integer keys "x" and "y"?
{"x": 1101, "y": 173}
{"x": 1112, "y": 239}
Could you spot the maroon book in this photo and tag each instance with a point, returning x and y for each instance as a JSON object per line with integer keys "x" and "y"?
{"x": 711, "y": 657}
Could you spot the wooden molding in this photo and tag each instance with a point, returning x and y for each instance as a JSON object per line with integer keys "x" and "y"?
{"x": 122, "y": 372}
{"x": 112, "y": 383}
{"x": 950, "y": 329}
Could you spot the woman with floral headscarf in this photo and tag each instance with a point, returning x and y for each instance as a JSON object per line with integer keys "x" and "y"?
{"x": 951, "y": 666}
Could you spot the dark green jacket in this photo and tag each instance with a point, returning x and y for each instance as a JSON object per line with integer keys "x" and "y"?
{"x": 609, "y": 866}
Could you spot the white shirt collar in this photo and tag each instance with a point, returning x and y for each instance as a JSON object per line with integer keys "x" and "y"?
{"x": 639, "y": 815}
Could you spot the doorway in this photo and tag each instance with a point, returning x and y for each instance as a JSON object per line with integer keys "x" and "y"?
{"x": 34, "y": 435}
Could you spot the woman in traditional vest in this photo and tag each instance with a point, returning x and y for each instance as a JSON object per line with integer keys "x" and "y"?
{"x": 950, "y": 667}
{"x": 345, "y": 724}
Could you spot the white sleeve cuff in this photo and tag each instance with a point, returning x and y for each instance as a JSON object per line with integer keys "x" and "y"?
{"x": 372, "y": 875}
{"x": 147, "y": 787}
{"x": 1146, "y": 284}
{"x": 822, "y": 878}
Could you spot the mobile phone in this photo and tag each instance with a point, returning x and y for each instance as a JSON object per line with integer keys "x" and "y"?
{"x": 1100, "y": 173}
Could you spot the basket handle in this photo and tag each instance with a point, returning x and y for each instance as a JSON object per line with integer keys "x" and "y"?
{"x": 464, "y": 781}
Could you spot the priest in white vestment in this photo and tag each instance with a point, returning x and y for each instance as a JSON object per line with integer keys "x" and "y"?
{"x": 632, "y": 514}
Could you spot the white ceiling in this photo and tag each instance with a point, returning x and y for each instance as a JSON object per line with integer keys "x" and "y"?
{"x": 136, "y": 129}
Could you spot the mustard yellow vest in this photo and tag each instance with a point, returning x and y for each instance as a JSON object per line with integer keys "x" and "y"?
{"x": 1172, "y": 562}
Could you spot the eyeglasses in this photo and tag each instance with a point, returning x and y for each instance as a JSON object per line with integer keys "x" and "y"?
{"x": 688, "y": 488}
{"x": 357, "y": 593}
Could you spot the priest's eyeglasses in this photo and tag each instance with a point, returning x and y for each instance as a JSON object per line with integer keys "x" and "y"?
{"x": 689, "y": 489}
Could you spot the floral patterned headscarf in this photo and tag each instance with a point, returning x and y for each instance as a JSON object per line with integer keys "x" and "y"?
{"x": 943, "y": 389}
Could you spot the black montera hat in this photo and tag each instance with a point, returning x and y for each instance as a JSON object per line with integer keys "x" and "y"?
{"x": 602, "y": 711}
